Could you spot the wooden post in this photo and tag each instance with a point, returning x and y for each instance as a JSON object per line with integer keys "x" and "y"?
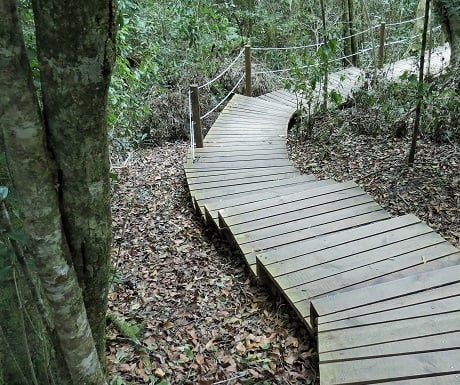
{"x": 196, "y": 117}
{"x": 382, "y": 45}
{"x": 247, "y": 61}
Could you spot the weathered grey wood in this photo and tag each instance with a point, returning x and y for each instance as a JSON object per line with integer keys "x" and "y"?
{"x": 375, "y": 244}
{"x": 235, "y": 190}
{"x": 302, "y": 234}
{"x": 432, "y": 307}
{"x": 212, "y": 207}
{"x": 310, "y": 224}
{"x": 330, "y": 266}
{"x": 236, "y": 215}
{"x": 390, "y": 295}
{"x": 419, "y": 344}
{"x": 290, "y": 221}
{"x": 241, "y": 193}
{"x": 380, "y": 269}
{"x": 340, "y": 238}
{"x": 239, "y": 181}
{"x": 242, "y": 165}
{"x": 440, "y": 379}
{"x": 388, "y": 369}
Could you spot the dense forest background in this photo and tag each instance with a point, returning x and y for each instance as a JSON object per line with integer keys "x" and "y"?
{"x": 164, "y": 47}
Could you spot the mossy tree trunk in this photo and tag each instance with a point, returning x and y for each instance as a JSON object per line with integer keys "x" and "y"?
{"x": 449, "y": 13}
{"x": 57, "y": 158}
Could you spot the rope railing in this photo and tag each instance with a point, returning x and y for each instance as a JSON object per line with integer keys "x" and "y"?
{"x": 195, "y": 117}
{"x": 224, "y": 99}
{"x": 397, "y": 24}
{"x": 285, "y": 48}
{"x": 229, "y": 67}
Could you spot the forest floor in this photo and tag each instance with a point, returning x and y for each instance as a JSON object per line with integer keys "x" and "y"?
{"x": 194, "y": 315}
{"x": 192, "y": 311}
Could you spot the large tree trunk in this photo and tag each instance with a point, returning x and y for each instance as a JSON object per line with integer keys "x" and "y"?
{"x": 75, "y": 41}
{"x": 449, "y": 13}
{"x": 58, "y": 163}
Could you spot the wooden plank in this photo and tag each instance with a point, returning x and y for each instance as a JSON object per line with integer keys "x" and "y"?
{"x": 435, "y": 306}
{"x": 199, "y": 161}
{"x": 196, "y": 174}
{"x": 306, "y": 225}
{"x": 258, "y": 189}
{"x": 389, "y": 369}
{"x": 377, "y": 244}
{"x": 236, "y": 190}
{"x": 436, "y": 256}
{"x": 328, "y": 264}
{"x": 258, "y": 103}
{"x": 212, "y": 207}
{"x": 225, "y": 151}
{"x": 385, "y": 332}
{"x": 289, "y": 222}
{"x": 366, "y": 273}
{"x": 241, "y": 165}
{"x": 248, "y": 212}
{"x": 307, "y": 208}
{"x": 305, "y": 234}
{"x": 419, "y": 344}
{"x": 311, "y": 245}
{"x": 388, "y": 306}
{"x": 194, "y": 181}
{"x": 349, "y": 302}
{"x": 239, "y": 182}
{"x": 448, "y": 379}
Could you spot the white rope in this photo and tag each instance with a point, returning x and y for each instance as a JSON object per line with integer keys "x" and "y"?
{"x": 224, "y": 99}
{"x": 351, "y": 55}
{"x": 358, "y": 33}
{"x": 284, "y": 48}
{"x": 404, "y": 22}
{"x": 192, "y": 131}
{"x": 285, "y": 69}
{"x": 223, "y": 72}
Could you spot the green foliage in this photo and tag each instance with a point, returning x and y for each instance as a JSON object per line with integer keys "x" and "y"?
{"x": 387, "y": 109}
{"x": 162, "y": 48}
{"x": 309, "y": 80}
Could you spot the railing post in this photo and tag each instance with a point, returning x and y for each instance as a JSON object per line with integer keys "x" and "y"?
{"x": 247, "y": 61}
{"x": 381, "y": 44}
{"x": 196, "y": 117}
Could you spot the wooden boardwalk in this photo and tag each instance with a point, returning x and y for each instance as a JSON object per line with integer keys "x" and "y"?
{"x": 381, "y": 294}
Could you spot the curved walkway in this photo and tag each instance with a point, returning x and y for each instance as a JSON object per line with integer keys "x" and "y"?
{"x": 381, "y": 294}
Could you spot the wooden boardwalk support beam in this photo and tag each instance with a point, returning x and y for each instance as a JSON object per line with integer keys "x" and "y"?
{"x": 196, "y": 116}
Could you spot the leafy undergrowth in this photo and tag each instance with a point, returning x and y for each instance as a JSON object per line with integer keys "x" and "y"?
{"x": 183, "y": 307}
{"x": 430, "y": 189}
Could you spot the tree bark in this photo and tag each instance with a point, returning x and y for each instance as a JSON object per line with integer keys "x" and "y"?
{"x": 449, "y": 13}
{"x": 421, "y": 79}
{"x": 75, "y": 41}
{"x": 42, "y": 175}
{"x": 349, "y": 30}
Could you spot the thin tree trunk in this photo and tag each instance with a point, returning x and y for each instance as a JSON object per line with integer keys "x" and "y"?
{"x": 353, "y": 38}
{"x": 421, "y": 79}
{"x": 325, "y": 41}
{"x": 346, "y": 32}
